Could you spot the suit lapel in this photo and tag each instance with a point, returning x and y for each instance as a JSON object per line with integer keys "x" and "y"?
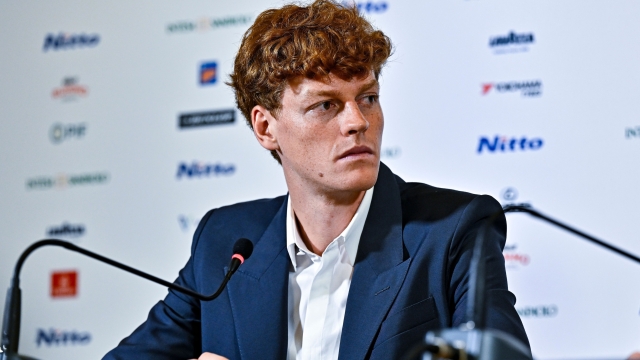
{"x": 258, "y": 294}
{"x": 379, "y": 270}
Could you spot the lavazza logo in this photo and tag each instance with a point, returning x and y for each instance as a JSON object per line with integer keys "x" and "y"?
{"x": 206, "y": 24}
{"x": 503, "y": 144}
{"x": 66, "y": 230}
{"x": 197, "y": 169}
{"x": 63, "y": 181}
{"x": 56, "y": 337}
{"x": 511, "y": 43}
{"x": 530, "y": 88}
{"x": 66, "y": 41}
{"x": 371, "y": 7}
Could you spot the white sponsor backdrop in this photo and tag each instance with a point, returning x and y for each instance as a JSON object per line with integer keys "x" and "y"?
{"x": 564, "y": 87}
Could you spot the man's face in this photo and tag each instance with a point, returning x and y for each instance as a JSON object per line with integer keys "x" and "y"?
{"x": 328, "y": 133}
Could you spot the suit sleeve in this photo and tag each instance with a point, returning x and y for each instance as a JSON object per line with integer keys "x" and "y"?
{"x": 501, "y": 313}
{"x": 172, "y": 329}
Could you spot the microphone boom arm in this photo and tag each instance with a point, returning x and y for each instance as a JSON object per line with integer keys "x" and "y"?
{"x": 11, "y": 321}
{"x": 527, "y": 208}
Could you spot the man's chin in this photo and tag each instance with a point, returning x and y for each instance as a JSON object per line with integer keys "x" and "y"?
{"x": 359, "y": 178}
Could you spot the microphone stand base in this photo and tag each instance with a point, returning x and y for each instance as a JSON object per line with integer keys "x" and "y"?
{"x": 5, "y": 356}
{"x": 487, "y": 344}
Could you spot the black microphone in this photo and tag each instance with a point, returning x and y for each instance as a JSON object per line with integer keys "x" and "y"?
{"x": 11, "y": 323}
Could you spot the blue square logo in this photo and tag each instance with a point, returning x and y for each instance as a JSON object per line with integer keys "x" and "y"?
{"x": 208, "y": 73}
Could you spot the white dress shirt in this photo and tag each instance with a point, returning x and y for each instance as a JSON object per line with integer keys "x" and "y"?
{"x": 319, "y": 287}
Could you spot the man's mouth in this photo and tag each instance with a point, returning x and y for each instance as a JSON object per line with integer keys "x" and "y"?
{"x": 356, "y": 152}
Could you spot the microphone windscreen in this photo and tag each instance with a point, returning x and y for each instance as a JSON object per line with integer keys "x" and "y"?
{"x": 243, "y": 247}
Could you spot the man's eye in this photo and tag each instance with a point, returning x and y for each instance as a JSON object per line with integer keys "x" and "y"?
{"x": 325, "y": 105}
{"x": 372, "y": 98}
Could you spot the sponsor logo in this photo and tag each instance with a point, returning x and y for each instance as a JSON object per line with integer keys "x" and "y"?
{"x": 188, "y": 223}
{"x": 206, "y": 24}
{"x": 66, "y": 41}
{"x": 514, "y": 259}
{"x": 66, "y": 230}
{"x": 509, "y": 194}
{"x": 57, "y": 337}
{"x": 61, "y": 132}
{"x": 64, "y": 284}
{"x": 207, "y": 118}
{"x": 63, "y": 180}
{"x": 70, "y": 90}
{"x": 511, "y": 43}
{"x": 208, "y": 73}
{"x": 540, "y": 311}
{"x": 529, "y": 88}
{"x": 632, "y": 133}
{"x": 391, "y": 152}
{"x": 368, "y": 6}
{"x": 200, "y": 170}
{"x": 508, "y": 144}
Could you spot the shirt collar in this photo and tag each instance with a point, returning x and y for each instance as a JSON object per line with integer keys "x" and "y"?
{"x": 351, "y": 234}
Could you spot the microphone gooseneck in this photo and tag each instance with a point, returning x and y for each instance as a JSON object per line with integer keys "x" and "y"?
{"x": 11, "y": 323}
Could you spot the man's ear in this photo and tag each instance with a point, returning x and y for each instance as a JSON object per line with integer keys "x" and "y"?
{"x": 264, "y": 127}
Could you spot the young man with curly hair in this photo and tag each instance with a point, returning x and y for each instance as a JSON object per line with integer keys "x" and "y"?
{"x": 354, "y": 263}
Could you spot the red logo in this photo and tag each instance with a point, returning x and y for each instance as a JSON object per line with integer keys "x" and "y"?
{"x": 486, "y": 88}
{"x": 70, "y": 90}
{"x": 521, "y": 259}
{"x": 64, "y": 284}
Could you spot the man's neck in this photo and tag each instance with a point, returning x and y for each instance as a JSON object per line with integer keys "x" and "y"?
{"x": 321, "y": 217}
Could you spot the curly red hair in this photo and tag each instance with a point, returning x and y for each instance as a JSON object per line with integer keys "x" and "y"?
{"x": 312, "y": 41}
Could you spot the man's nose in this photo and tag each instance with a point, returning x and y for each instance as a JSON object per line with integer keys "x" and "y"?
{"x": 353, "y": 120}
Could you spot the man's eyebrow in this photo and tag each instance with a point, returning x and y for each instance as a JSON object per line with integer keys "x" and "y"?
{"x": 334, "y": 93}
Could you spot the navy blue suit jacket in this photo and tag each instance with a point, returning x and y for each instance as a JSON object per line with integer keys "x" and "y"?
{"x": 410, "y": 276}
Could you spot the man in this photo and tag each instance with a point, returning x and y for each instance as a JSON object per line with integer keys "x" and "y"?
{"x": 354, "y": 263}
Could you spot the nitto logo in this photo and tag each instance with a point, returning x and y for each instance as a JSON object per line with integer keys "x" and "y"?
{"x": 368, "y": 6}
{"x": 507, "y": 144}
{"x": 66, "y": 230}
{"x": 198, "y": 170}
{"x": 538, "y": 311}
{"x": 632, "y": 133}
{"x": 57, "y": 337}
{"x": 511, "y": 42}
{"x": 206, "y": 24}
{"x": 64, "y": 41}
{"x": 62, "y": 181}
{"x": 70, "y": 90}
{"x": 59, "y": 132}
{"x": 525, "y": 88}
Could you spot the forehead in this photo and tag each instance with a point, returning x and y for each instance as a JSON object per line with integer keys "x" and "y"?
{"x": 304, "y": 87}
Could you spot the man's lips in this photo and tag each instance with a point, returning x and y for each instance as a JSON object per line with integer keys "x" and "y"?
{"x": 356, "y": 152}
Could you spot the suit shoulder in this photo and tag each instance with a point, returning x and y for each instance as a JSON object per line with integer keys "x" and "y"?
{"x": 250, "y": 211}
{"x": 425, "y": 201}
